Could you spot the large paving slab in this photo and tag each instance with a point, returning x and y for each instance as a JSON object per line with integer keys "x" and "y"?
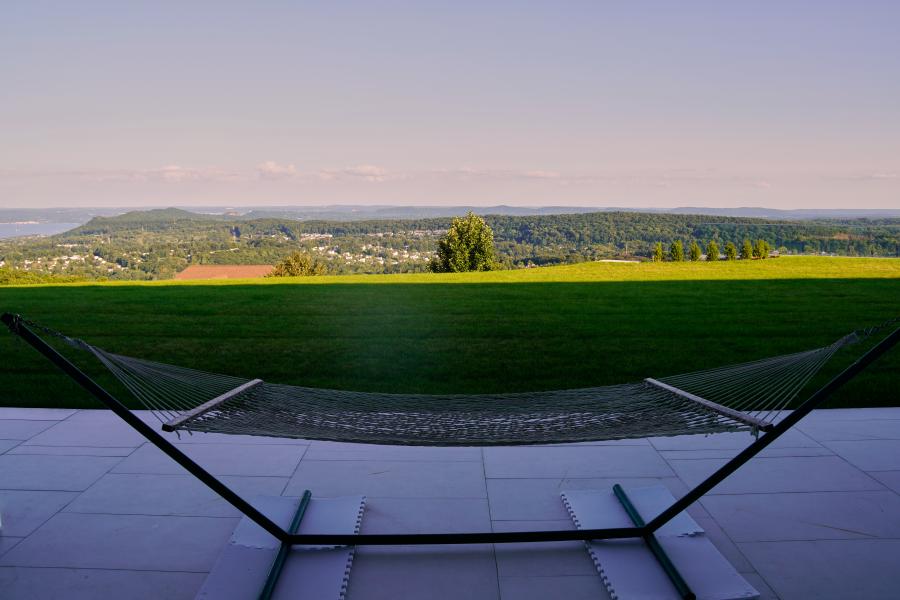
{"x": 570, "y": 587}
{"x": 22, "y": 429}
{"x": 134, "y": 542}
{"x": 7, "y": 445}
{"x": 92, "y": 584}
{"x": 846, "y": 415}
{"x": 36, "y": 414}
{"x": 807, "y": 516}
{"x": 23, "y": 511}
{"x": 7, "y": 542}
{"x": 538, "y": 499}
{"x": 574, "y": 461}
{"x": 145, "y": 494}
{"x": 40, "y": 472}
{"x": 729, "y": 453}
{"x": 339, "y": 451}
{"x": 785, "y": 474}
{"x": 89, "y": 428}
{"x": 433, "y": 572}
{"x": 891, "y": 479}
{"x": 869, "y": 455}
{"x": 828, "y": 430}
{"x": 389, "y": 479}
{"x": 426, "y": 515}
{"x": 828, "y": 569}
{"x": 725, "y": 545}
{"x": 72, "y": 450}
{"x": 218, "y": 459}
{"x": 545, "y": 559}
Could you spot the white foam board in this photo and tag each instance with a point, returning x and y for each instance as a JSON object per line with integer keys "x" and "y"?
{"x": 629, "y": 569}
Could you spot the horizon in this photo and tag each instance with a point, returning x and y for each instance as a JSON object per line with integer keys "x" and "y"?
{"x": 349, "y": 206}
{"x": 785, "y": 107}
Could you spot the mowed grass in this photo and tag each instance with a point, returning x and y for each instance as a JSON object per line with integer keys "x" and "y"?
{"x": 562, "y": 327}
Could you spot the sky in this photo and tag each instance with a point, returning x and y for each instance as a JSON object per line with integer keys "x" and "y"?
{"x": 633, "y": 104}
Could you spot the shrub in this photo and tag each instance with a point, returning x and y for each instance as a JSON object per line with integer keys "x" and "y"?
{"x": 467, "y": 246}
{"x": 695, "y": 251}
{"x": 761, "y": 249}
{"x": 676, "y": 251}
{"x": 298, "y": 264}
{"x": 731, "y": 252}
{"x": 747, "y": 250}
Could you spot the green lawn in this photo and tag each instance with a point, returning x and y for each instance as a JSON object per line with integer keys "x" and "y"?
{"x": 570, "y": 326}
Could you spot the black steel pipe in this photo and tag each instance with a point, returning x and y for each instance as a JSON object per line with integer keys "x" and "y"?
{"x": 785, "y": 424}
{"x": 17, "y": 326}
{"x": 487, "y": 537}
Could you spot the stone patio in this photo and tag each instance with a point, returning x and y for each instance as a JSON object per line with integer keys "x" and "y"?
{"x": 90, "y": 510}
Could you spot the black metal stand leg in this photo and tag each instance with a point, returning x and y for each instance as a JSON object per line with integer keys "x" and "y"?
{"x": 17, "y": 326}
{"x": 784, "y": 425}
{"x": 665, "y": 562}
{"x": 14, "y": 323}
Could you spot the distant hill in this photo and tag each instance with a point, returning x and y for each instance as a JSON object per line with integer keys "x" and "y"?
{"x": 774, "y": 213}
{"x": 157, "y": 243}
{"x": 350, "y": 212}
{"x": 153, "y": 220}
{"x": 156, "y": 215}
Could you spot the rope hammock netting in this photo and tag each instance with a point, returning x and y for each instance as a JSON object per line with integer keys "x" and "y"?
{"x": 743, "y": 397}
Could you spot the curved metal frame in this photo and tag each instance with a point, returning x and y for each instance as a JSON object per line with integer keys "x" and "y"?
{"x": 18, "y": 326}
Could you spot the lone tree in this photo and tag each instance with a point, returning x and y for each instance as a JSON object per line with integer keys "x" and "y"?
{"x": 761, "y": 249}
{"x": 730, "y": 251}
{"x": 695, "y": 251}
{"x": 467, "y": 246}
{"x": 676, "y": 251}
{"x": 747, "y": 250}
{"x": 658, "y": 254}
{"x": 712, "y": 250}
{"x": 298, "y": 264}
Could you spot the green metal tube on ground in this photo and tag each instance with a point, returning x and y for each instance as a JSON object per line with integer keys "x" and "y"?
{"x": 278, "y": 563}
{"x": 677, "y": 580}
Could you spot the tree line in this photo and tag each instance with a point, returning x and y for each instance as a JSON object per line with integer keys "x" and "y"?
{"x": 759, "y": 250}
{"x": 157, "y": 244}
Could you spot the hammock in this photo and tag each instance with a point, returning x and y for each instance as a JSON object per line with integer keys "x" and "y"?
{"x": 747, "y": 396}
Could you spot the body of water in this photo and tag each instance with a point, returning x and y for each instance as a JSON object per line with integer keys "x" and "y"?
{"x": 10, "y": 230}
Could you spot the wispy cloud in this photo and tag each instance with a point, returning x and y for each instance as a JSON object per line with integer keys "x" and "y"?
{"x": 287, "y": 174}
{"x": 166, "y": 174}
{"x": 272, "y": 170}
{"x": 360, "y": 173}
{"x": 876, "y": 176}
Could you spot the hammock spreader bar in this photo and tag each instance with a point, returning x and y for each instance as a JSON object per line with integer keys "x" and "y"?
{"x": 756, "y": 424}
{"x": 19, "y": 327}
{"x": 177, "y": 422}
{"x": 743, "y": 397}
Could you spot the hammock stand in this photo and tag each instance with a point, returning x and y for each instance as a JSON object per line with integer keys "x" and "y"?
{"x": 641, "y": 529}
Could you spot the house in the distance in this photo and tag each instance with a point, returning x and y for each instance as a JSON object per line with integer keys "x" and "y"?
{"x": 224, "y": 271}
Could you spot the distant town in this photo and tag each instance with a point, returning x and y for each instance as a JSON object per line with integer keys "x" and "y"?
{"x": 160, "y": 243}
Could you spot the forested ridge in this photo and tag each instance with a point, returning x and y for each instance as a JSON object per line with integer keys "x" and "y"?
{"x": 156, "y": 244}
